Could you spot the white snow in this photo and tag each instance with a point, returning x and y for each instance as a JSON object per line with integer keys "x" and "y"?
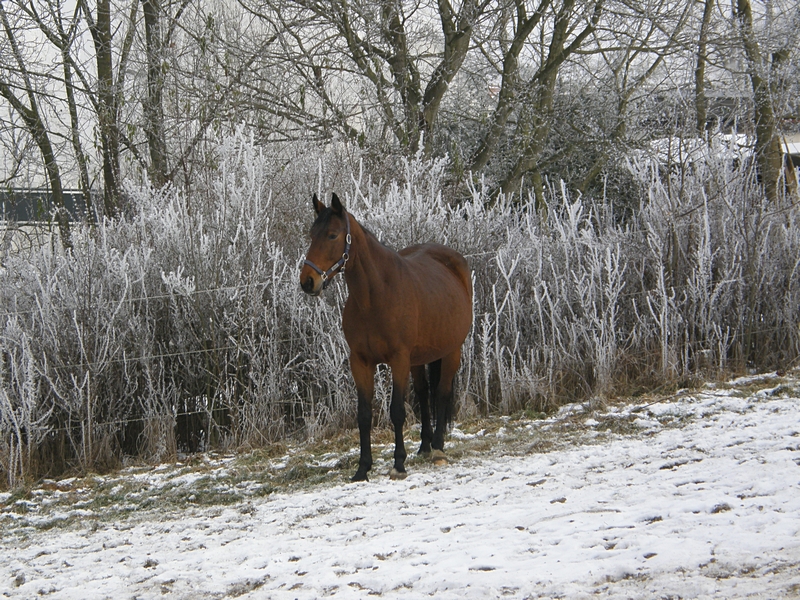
{"x": 700, "y": 500}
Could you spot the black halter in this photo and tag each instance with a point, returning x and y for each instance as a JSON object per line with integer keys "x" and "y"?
{"x": 340, "y": 264}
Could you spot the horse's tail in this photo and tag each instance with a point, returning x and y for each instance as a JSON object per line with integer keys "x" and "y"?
{"x": 448, "y": 408}
{"x": 434, "y": 376}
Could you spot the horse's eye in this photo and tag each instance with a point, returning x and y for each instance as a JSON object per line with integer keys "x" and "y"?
{"x": 333, "y": 236}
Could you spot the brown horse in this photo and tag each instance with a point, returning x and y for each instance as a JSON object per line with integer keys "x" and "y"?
{"x": 407, "y": 309}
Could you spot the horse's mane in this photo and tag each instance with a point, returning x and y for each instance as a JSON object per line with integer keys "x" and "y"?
{"x": 373, "y": 236}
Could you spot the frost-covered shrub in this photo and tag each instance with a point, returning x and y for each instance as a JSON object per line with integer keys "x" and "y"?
{"x": 182, "y": 327}
{"x": 176, "y": 328}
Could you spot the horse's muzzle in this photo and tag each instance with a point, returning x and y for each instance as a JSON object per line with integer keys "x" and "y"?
{"x": 311, "y": 285}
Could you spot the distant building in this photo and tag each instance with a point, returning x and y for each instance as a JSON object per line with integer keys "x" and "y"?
{"x": 25, "y": 206}
{"x": 791, "y": 147}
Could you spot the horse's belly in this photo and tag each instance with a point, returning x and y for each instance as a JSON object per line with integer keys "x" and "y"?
{"x": 426, "y": 356}
{"x": 439, "y": 338}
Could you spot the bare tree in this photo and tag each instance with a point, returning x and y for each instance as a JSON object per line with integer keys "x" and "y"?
{"x": 633, "y": 46}
{"x": 109, "y": 90}
{"x": 567, "y": 33}
{"x": 408, "y": 65}
{"x": 217, "y": 58}
{"x": 160, "y": 32}
{"x": 701, "y": 102}
{"x": 63, "y": 32}
{"x": 764, "y": 69}
{"x": 481, "y": 80}
{"x": 525, "y": 22}
{"x": 153, "y": 104}
{"x": 400, "y": 68}
{"x": 17, "y": 86}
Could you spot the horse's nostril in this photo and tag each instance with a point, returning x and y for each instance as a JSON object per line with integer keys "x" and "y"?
{"x": 308, "y": 285}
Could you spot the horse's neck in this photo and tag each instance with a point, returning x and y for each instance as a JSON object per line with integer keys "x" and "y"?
{"x": 367, "y": 271}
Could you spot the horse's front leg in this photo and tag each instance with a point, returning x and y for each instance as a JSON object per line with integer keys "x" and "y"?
{"x": 397, "y": 413}
{"x": 364, "y": 376}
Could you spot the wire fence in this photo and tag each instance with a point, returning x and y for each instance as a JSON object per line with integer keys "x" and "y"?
{"x": 477, "y": 316}
{"x": 187, "y": 329}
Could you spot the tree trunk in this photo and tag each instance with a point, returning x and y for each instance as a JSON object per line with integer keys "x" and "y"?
{"x": 700, "y": 100}
{"x": 534, "y": 139}
{"x": 106, "y": 105}
{"x": 77, "y": 146}
{"x": 404, "y": 73}
{"x": 457, "y": 35}
{"x": 769, "y": 154}
{"x": 153, "y": 105}
{"x": 38, "y": 131}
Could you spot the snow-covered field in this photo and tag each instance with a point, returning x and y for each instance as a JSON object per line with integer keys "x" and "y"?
{"x": 693, "y": 496}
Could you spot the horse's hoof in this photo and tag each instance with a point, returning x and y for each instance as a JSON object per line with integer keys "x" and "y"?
{"x": 396, "y": 475}
{"x": 439, "y": 458}
{"x": 424, "y": 453}
{"x": 359, "y": 476}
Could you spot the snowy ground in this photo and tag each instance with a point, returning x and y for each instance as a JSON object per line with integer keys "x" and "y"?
{"x": 697, "y": 496}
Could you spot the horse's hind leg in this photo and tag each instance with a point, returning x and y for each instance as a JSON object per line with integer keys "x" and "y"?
{"x": 421, "y": 392}
{"x": 397, "y": 413}
{"x": 443, "y": 401}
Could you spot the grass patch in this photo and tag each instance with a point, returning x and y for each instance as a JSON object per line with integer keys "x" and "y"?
{"x": 622, "y": 425}
{"x": 212, "y": 479}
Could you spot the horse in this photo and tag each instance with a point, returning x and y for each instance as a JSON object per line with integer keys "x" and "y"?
{"x": 408, "y": 309}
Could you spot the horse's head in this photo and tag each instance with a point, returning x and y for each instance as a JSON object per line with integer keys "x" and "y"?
{"x": 330, "y": 246}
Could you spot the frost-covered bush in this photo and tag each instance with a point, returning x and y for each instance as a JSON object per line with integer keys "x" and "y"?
{"x": 177, "y": 327}
{"x": 181, "y": 326}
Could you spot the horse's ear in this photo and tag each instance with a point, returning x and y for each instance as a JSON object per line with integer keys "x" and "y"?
{"x": 336, "y": 205}
{"x": 318, "y": 206}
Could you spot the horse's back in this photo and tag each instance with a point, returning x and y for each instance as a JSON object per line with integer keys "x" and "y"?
{"x": 432, "y": 257}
